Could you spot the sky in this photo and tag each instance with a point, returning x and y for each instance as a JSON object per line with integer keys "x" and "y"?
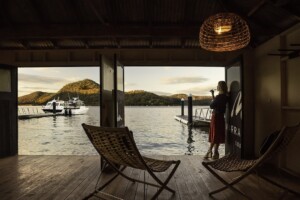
{"x": 159, "y": 80}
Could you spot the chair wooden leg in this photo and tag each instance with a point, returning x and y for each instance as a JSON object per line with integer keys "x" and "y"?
{"x": 227, "y": 185}
{"x": 164, "y": 184}
{"x": 280, "y": 186}
{"x": 161, "y": 186}
{"x": 104, "y": 185}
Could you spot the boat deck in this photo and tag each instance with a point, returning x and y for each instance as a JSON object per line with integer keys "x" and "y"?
{"x": 73, "y": 177}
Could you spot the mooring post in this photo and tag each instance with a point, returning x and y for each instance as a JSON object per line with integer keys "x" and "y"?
{"x": 182, "y": 106}
{"x": 190, "y": 109}
{"x": 54, "y": 107}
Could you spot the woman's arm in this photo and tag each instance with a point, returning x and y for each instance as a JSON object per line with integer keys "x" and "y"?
{"x": 214, "y": 103}
{"x": 212, "y": 93}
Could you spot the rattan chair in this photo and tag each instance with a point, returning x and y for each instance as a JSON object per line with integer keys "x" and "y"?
{"x": 117, "y": 147}
{"x": 233, "y": 163}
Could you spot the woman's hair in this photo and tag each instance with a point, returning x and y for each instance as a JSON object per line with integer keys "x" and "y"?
{"x": 223, "y": 86}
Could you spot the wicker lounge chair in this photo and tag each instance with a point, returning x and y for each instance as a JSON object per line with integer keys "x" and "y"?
{"x": 232, "y": 162}
{"x": 117, "y": 147}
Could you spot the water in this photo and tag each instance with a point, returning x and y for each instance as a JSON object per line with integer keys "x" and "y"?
{"x": 155, "y": 130}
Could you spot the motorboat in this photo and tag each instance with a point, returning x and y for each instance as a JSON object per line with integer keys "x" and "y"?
{"x": 72, "y": 107}
{"x": 56, "y": 106}
{"x": 75, "y": 107}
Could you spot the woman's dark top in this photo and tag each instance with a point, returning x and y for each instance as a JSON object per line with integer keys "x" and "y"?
{"x": 219, "y": 103}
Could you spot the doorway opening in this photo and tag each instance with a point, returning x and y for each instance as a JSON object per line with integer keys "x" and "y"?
{"x": 75, "y": 91}
{"x": 152, "y": 98}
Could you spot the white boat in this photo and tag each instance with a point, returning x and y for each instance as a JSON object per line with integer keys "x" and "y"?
{"x": 59, "y": 106}
{"x": 72, "y": 107}
{"x": 75, "y": 106}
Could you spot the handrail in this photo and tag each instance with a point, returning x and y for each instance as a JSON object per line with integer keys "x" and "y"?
{"x": 29, "y": 110}
{"x": 203, "y": 113}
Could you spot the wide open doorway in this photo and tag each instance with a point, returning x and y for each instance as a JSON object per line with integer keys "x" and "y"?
{"x": 153, "y": 96}
{"x": 61, "y": 134}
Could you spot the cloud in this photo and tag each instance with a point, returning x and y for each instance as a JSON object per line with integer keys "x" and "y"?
{"x": 28, "y": 88}
{"x": 40, "y": 79}
{"x": 180, "y": 80}
{"x": 130, "y": 84}
{"x": 199, "y": 90}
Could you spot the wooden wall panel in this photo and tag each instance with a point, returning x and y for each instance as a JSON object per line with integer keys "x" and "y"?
{"x": 8, "y": 117}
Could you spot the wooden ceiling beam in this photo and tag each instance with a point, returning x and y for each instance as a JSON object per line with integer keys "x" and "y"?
{"x": 265, "y": 27}
{"x": 148, "y": 12}
{"x": 95, "y": 31}
{"x": 4, "y": 16}
{"x": 256, "y": 8}
{"x": 95, "y": 12}
{"x": 36, "y": 7}
{"x": 282, "y": 4}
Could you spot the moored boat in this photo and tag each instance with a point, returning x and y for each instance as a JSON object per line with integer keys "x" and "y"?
{"x": 56, "y": 106}
{"x": 76, "y": 106}
{"x": 72, "y": 107}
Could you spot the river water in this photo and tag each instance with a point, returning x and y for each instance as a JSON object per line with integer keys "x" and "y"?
{"x": 155, "y": 130}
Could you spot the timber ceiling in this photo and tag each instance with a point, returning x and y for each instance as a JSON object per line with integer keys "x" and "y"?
{"x": 140, "y": 32}
{"x": 125, "y": 24}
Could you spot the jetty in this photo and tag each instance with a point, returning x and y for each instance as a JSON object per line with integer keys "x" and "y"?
{"x": 201, "y": 118}
{"x": 35, "y": 112}
{"x": 31, "y": 116}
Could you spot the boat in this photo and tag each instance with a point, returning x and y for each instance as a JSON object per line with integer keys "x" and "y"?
{"x": 59, "y": 106}
{"x": 72, "y": 107}
{"x": 75, "y": 106}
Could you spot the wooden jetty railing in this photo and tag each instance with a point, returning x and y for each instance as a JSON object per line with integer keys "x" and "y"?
{"x": 33, "y": 112}
{"x": 30, "y": 110}
{"x": 203, "y": 114}
{"x": 201, "y": 118}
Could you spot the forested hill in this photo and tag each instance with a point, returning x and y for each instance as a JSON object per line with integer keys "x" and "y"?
{"x": 143, "y": 98}
{"x": 35, "y": 98}
{"x": 88, "y": 91}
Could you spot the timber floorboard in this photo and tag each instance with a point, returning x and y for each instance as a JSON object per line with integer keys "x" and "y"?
{"x": 74, "y": 177}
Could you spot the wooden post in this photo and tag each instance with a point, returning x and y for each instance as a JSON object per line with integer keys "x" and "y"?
{"x": 182, "y": 106}
{"x": 54, "y": 107}
{"x": 190, "y": 109}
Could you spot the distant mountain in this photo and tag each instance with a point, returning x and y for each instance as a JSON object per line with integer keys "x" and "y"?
{"x": 88, "y": 91}
{"x": 179, "y": 96}
{"x": 143, "y": 98}
{"x": 35, "y": 98}
{"x": 85, "y": 86}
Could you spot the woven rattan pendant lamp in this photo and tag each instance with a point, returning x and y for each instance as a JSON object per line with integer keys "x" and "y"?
{"x": 224, "y": 32}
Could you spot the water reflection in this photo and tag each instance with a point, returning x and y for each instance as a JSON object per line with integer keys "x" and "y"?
{"x": 190, "y": 142}
{"x": 155, "y": 131}
{"x": 54, "y": 121}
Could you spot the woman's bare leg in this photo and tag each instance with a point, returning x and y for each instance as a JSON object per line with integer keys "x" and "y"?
{"x": 209, "y": 152}
{"x": 216, "y": 151}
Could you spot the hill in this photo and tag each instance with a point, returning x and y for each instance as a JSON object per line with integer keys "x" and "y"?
{"x": 35, "y": 98}
{"x": 88, "y": 91}
{"x": 143, "y": 98}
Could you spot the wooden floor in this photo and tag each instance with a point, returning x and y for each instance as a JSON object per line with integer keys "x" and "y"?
{"x": 73, "y": 177}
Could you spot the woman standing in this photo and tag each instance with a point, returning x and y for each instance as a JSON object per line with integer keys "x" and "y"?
{"x": 217, "y": 124}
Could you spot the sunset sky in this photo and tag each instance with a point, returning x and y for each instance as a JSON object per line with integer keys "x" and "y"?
{"x": 160, "y": 80}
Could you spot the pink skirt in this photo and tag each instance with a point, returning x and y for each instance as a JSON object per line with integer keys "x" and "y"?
{"x": 217, "y": 129}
